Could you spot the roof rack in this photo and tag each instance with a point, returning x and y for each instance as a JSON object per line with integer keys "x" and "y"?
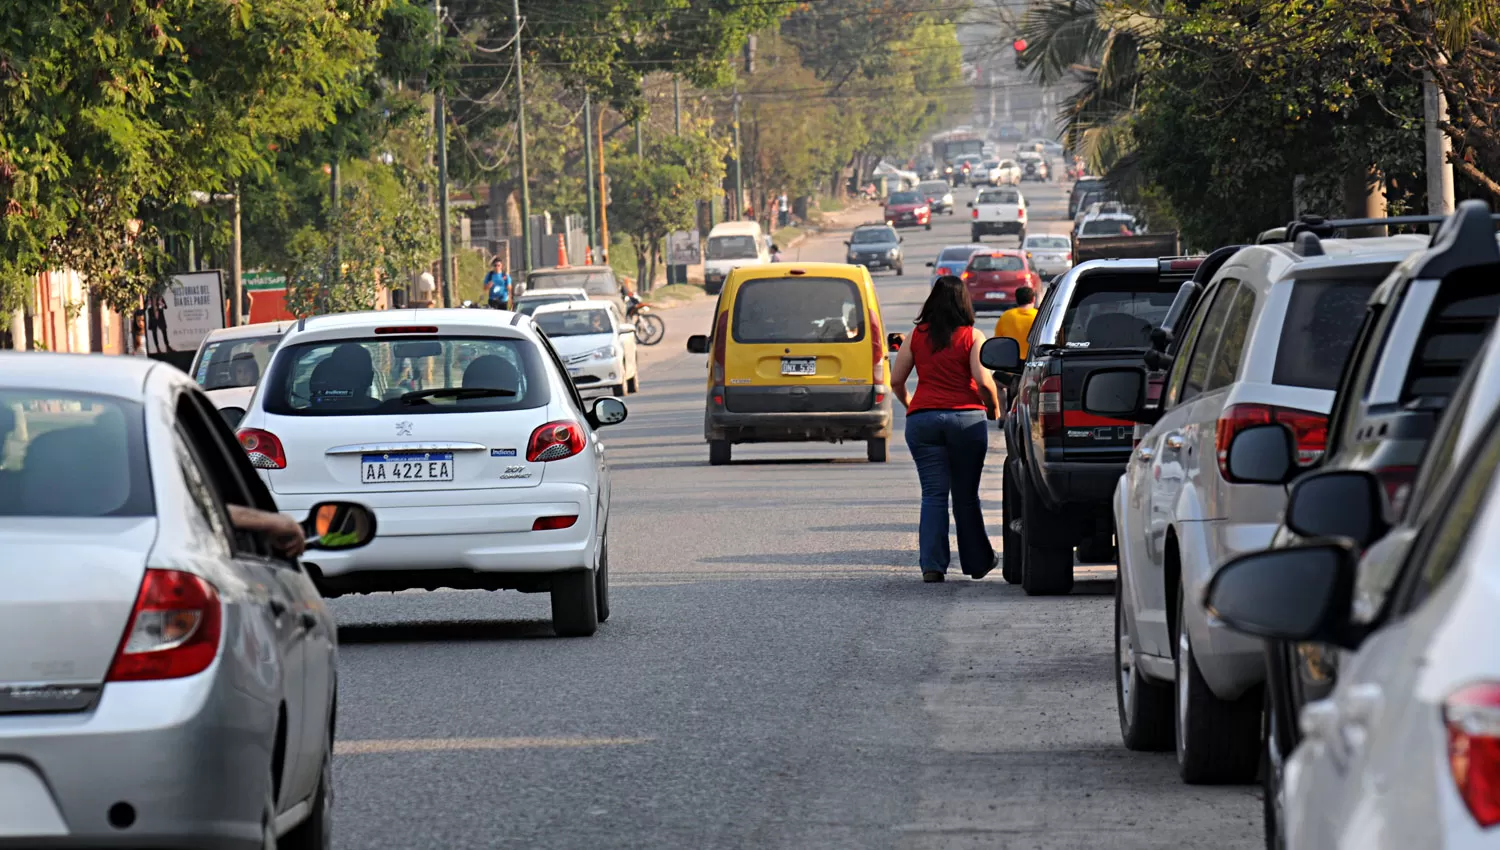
{"x": 1327, "y": 228}
{"x": 1468, "y": 239}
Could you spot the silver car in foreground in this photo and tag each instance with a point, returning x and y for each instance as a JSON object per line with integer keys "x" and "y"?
{"x": 165, "y": 680}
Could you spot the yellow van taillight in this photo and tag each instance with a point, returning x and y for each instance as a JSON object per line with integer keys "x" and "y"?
{"x": 721, "y": 347}
{"x": 877, "y": 349}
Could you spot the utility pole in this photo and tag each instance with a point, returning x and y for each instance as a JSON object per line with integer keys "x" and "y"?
{"x": 588, "y": 167}
{"x": 515, "y": 8}
{"x": 1439, "y": 146}
{"x": 640, "y": 147}
{"x": 739, "y": 177}
{"x": 236, "y": 270}
{"x": 335, "y": 192}
{"x": 677, "y": 103}
{"x": 440, "y": 126}
{"x": 603, "y": 195}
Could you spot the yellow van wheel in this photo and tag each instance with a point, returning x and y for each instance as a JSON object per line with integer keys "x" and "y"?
{"x": 718, "y": 452}
{"x": 875, "y": 450}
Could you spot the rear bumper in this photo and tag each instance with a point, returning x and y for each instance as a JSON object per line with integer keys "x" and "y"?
{"x": 1000, "y": 227}
{"x": 986, "y": 305}
{"x": 189, "y": 756}
{"x": 1074, "y": 484}
{"x": 874, "y": 262}
{"x": 798, "y": 427}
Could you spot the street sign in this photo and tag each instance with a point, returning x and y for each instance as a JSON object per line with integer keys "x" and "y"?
{"x": 682, "y": 248}
{"x": 185, "y": 312}
{"x": 264, "y": 281}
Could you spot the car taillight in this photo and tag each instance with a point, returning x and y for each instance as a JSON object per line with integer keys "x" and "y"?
{"x": 1472, "y": 716}
{"x": 553, "y": 523}
{"x": 1049, "y": 405}
{"x": 1309, "y": 429}
{"x": 966, "y": 276}
{"x": 877, "y": 348}
{"x": 555, "y": 441}
{"x": 721, "y": 346}
{"x": 1068, "y": 257}
{"x": 975, "y": 213}
{"x": 942, "y": 270}
{"x": 1397, "y": 481}
{"x": 263, "y": 448}
{"x": 1020, "y": 212}
{"x": 173, "y": 629}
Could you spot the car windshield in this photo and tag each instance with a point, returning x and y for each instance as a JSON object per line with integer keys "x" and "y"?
{"x": 574, "y": 322}
{"x": 997, "y": 263}
{"x": 906, "y": 198}
{"x": 1006, "y": 163}
{"x": 732, "y": 248}
{"x": 874, "y": 236}
{"x": 527, "y": 306}
{"x": 600, "y": 282}
{"x": 234, "y": 362}
{"x": 802, "y": 309}
{"x": 1108, "y": 227}
{"x": 937, "y": 188}
{"x": 356, "y": 377}
{"x": 955, "y": 255}
{"x": 1000, "y": 196}
{"x": 1048, "y": 243}
{"x": 66, "y": 454}
{"x": 1322, "y": 320}
{"x": 1117, "y": 312}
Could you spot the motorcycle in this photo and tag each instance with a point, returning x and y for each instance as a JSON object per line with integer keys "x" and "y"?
{"x": 649, "y": 327}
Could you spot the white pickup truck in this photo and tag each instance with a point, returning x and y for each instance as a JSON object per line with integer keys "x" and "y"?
{"x": 1000, "y": 210}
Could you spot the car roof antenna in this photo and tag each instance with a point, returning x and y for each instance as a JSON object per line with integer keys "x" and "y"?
{"x": 1308, "y": 245}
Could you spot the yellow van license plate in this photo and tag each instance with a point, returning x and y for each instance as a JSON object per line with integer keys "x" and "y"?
{"x": 799, "y": 365}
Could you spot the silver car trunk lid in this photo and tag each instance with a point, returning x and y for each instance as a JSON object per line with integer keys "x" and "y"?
{"x": 69, "y": 586}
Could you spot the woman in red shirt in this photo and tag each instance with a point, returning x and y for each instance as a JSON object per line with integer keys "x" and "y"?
{"x": 946, "y": 429}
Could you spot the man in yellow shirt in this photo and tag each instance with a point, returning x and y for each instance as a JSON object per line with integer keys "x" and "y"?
{"x": 1016, "y": 324}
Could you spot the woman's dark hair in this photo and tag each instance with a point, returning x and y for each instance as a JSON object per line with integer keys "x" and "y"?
{"x": 947, "y": 309}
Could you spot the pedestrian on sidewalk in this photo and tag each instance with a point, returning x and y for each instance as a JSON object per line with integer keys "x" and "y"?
{"x": 946, "y": 427}
{"x": 497, "y": 286}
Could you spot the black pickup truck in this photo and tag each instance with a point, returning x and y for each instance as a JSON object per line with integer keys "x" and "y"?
{"x": 1062, "y": 463}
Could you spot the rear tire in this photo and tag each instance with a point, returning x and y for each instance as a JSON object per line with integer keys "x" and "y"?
{"x": 1047, "y": 569}
{"x": 929, "y": 225}
{"x": 974, "y": 234}
{"x": 316, "y": 833}
{"x": 601, "y": 581}
{"x": 718, "y": 452}
{"x": 1012, "y": 550}
{"x": 1145, "y": 707}
{"x": 1218, "y": 741}
{"x": 575, "y": 604}
{"x": 875, "y": 450}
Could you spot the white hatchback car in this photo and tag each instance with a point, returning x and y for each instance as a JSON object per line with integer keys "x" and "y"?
{"x": 461, "y": 430}
{"x": 595, "y": 343}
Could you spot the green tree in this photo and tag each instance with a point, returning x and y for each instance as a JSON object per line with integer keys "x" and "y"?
{"x": 655, "y": 194}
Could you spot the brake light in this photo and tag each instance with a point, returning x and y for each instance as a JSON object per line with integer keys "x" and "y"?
{"x": 975, "y": 213}
{"x": 553, "y": 523}
{"x": 967, "y": 276}
{"x": 410, "y": 329}
{"x": 555, "y": 441}
{"x": 263, "y": 448}
{"x": 173, "y": 629}
{"x": 721, "y": 346}
{"x": 877, "y": 348}
{"x": 1472, "y": 716}
{"x": 1049, "y": 406}
{"x": 1397, "y": 481}
{"x": 1020, "y": 212}
{"x": 942, "y": 270}
{"x": 1309, "y": 429}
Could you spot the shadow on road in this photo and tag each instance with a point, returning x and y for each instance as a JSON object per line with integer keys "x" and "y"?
{"x": 440, "y": 630}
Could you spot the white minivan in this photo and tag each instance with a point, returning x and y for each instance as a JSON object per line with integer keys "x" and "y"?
{"x": 731, "y": 245}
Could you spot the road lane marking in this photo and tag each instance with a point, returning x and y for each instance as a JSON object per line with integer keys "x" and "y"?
{"x": 441, "y": 745}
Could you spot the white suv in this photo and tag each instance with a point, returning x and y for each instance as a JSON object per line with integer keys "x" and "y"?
{"x": 461, "y": 430}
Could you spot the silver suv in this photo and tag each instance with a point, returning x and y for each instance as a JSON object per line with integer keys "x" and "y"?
{"x": 1267, "y": 343}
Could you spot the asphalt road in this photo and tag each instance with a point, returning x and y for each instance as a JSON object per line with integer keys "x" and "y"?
{"x": 774, "y": 675}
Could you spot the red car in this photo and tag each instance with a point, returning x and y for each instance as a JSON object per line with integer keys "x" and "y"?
{"x": 908, "y": 209}
{"x": 992, "y": 278}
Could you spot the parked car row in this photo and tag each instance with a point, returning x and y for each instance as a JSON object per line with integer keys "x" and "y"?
{"x": 1292, "y": 452}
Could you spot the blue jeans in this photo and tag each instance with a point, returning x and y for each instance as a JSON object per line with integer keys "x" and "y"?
{"x": 949, "y": 448}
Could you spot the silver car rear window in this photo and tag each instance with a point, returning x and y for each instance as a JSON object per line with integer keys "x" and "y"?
{"x": 72, "y": 455}
{"x": 1322, "y": 320}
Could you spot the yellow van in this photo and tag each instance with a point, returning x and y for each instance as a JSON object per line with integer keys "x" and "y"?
{"x": 797, "y": 354}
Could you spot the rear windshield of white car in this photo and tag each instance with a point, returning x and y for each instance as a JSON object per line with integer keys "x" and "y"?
{"x": 800, "y": 309}
{"x": 1048, "y": 243}
{"x": 1322, "y": 320}
{"x": 1116, "y": 312}
{"x": 593, "y": 282}
{"x": 72, "y": 455}
{"x": 382, "y": 377}
{"x": 998, "y": 197}
{"x": 234, "y": 362}
{"x": 996, "y": 263}
{"x": 574, "y": 322}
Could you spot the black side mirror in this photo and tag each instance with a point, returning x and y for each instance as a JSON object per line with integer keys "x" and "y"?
{"x": 1001, "y": 354}
{"x": 697, "y": 344}
{"x": 1118, "y": 393}
{"x": 1346, "y": 503}
{"x": 893, "y": 341}
{"x": 930, "y": 265}
{"x": 232, "y": 416}
{"x": 607, "y": 411}
{"x": 1263, "y": 454}
{"x": 1297, "y": 594}
{"x": 846, "y": 242}
{"x": 336, "y": 526}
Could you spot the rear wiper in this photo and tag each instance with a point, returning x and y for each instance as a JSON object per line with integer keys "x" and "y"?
{"x": 457, "y": 392}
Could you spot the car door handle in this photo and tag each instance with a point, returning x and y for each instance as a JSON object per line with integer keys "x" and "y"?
{"x": 309, "y": 620}
{"x": 1173, "y": 441}
{"x": 277, "y": 607}
{"x": 1144, "y": 454}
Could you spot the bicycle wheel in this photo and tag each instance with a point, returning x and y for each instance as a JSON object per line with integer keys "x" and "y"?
{"x": 649, "y": 329}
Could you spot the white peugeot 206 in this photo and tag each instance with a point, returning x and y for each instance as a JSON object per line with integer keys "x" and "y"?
{"x": 461, "y": 430}
{"x": 595, "y": 343}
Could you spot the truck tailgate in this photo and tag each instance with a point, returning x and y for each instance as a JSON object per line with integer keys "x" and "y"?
{"x": 1086, "y": 437}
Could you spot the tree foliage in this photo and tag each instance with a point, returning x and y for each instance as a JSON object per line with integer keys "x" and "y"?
{"x": 657, "y": 193}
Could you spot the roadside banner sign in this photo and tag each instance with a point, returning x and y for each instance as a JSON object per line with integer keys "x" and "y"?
{"x": 185, "y": 312}
{"x": 682, "y": 248}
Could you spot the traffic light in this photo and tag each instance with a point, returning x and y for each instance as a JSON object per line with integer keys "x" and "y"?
{"x": 1020, "y": 48}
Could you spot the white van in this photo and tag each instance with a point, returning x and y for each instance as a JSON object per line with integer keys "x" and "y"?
{"x": 731, "y": 245}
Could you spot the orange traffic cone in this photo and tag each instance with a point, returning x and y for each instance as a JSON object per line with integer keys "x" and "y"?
{"x": 562, "y": 251}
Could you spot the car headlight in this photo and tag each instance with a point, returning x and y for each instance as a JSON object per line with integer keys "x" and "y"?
{"x": 608, "y": 352}
{"x": 893, "y": 252}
